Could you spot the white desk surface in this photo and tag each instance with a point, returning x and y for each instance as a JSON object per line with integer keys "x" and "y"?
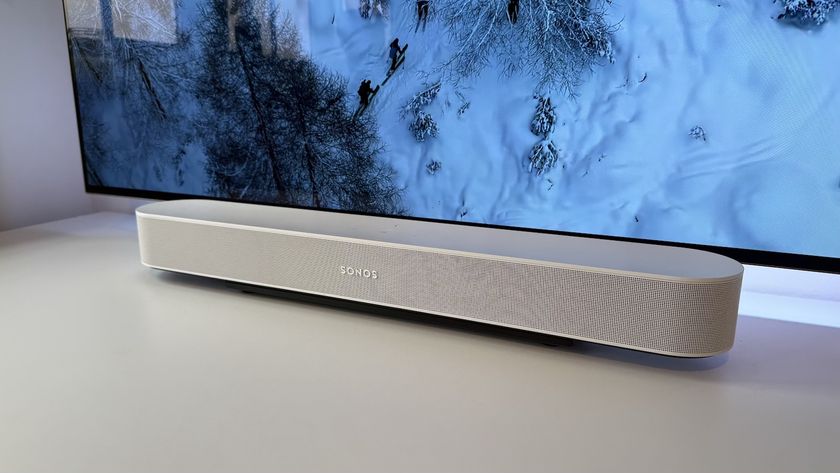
{"x": 106, "y": 366}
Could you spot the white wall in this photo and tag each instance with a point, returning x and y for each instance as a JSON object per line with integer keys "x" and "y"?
{"x": 110, "y": 203}
{"x": 40, "y": 167}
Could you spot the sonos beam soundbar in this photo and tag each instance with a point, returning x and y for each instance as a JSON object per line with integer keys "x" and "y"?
{"x": 660, "y": 299}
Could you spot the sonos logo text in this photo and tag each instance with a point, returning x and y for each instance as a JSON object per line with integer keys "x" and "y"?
{"x": 359, "y": 272}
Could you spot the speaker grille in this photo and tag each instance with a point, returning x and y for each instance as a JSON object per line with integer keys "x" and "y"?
{"x": 680, "y": 318}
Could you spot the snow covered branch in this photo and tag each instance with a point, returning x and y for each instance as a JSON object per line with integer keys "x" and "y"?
{"x": 556, "y": 40}
{"x": 421, "y": 99}
{"x": 808, "y": 11}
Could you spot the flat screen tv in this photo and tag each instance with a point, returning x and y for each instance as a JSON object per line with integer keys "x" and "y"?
{"x": 709, "y": 124}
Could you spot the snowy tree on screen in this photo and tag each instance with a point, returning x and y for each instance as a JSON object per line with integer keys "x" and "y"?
{"x": 544, "y": 154}
{"x": 808, "y": 11}
{"x": 545, "y": 118}
{"x": 433, "y": 167}
{"x": 543, "y": 157}
{"x": 698, "y": 133}
{"x": 243, "y": 158}
{"x": 556, "y": 40}
{"x": 277, "y": 127}
{"x": 282, "y": 38}
{"x": 423, "y": 126}
{"x": 129, "y": 60}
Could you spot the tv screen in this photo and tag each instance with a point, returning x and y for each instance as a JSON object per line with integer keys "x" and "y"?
{"x": 712, "y": 124}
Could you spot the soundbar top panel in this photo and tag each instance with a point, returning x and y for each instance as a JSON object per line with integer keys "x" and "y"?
{"x": 662, "y": 262}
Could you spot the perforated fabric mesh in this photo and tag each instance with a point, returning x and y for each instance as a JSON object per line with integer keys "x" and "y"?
{"x": 690, "y": 319}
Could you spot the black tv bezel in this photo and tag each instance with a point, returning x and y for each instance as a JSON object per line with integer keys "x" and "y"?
{"x": 794, "y": 261}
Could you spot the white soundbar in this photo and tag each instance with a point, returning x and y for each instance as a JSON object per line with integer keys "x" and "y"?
{"x": 660, "y": 299}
